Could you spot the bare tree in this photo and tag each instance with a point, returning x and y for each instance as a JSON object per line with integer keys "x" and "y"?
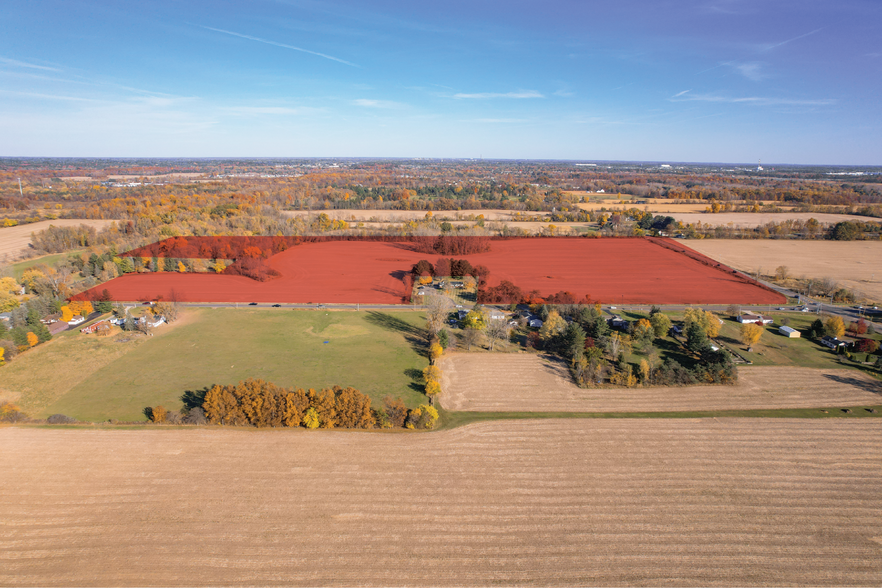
{"x": 827, "y": 286}
{"x": 469, "y": 337}
{"x": 496, "y": 330}
{"x": 437, "y": 310}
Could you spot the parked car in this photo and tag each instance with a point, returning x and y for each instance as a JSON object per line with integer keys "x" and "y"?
{"x": 277, "y": 306}
{"x": 252, "y": 304}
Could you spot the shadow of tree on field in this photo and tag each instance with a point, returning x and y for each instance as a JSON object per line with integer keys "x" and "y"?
{"x": 194, "y": 398}
{"x": 398, "y": 274}
{"x": 415, "y": 336}
{"x": 417, "y": 376}
{"x": 865, "y": 385}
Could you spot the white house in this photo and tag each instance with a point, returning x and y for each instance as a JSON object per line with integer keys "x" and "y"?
{"x": 789, "y": 332}
{"x": 496, "y": 315}
{"x": 755, "y": 319}
{"x": 76, "y": 320}
{"x": 536, "y": 322}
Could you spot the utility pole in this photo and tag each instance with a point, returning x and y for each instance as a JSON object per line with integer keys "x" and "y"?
{"x": 21, "y": 193}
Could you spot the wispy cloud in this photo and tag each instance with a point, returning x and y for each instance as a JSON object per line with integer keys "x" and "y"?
{"x": 752, "y": 71}
{"x": 48, "y": 96}
{"x": 765, "y": 48}
{"x": 490, "y": 95}
{"x": 757, "y": 100}
{"x": 17, "y": 63}
{"x": 283, "y": 45}
{"x": 497, "y": 120}
{"x": 678, "y": 94}
{"x": 368, "y": 103}
{"x": 273, "y": 110}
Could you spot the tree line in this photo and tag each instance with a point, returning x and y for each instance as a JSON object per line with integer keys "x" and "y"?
{"x": 257, "y": 403}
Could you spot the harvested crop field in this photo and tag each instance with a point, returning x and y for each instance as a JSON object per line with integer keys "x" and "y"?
{"x": 757, "y": 219}
{"x": 533, "y": 383}
{"x": 720, "y": 502}
{"x": 623, "y": 270}
{"x": 14, "y": 241}
{"x": 854, "y": 264}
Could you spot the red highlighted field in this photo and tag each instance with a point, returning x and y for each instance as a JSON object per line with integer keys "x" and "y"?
{"x": 610, "y": 270}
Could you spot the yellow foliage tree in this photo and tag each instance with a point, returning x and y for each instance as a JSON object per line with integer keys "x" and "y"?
{"x": 433, "y": 388}
{"x": 8, "y": 285}
{"x": 32, "y": 339}
{"x": 552, "y": 326}
{"x": 219, "y": 266}
{"x": 432, "y": 374}
{"x": 435, "y": 351}
{"x": 2, "y": 353}
{"x": 311, "y": 419}
{"x": 182, "y": 268}
{"x": 750, "y": 334}
{"x": 834, "y": 326}
{"x": 158, "y": 414}
{"x": 707, "y": 320}
{"x": 81, "y": 307}
{"x": 66, "y": 314}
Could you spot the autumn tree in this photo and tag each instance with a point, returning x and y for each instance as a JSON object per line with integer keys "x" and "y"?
{"x": 708, "y": 321}
{"x": 158, "y": 414}
{"x": 396, "y": 411}
{"x": 553, "y": 326}
{"x": 834, "y": 326}
{"x": 32, "y": 338}
{"x": 353, "y": 409}
{"x": 661, "y": 324}
{"x": 750, "y": 334}
{"x": 81, "y": 307}
{"x": 324, "y": 403}
{"x": 66, "y": 314}
{"x": 644, "y": 333}
{"x": 435, "y": 351}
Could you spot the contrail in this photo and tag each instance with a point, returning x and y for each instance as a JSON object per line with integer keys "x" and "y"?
{"x": 292, "y": 47}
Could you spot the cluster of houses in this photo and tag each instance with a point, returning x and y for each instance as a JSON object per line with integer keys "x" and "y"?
{"x": 421, "y": 290}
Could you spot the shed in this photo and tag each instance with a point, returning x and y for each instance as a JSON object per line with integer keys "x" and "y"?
{"x": 789, "y": 332}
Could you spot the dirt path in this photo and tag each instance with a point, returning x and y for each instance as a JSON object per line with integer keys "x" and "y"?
{"x": 636, "y": 502}
{"x": 527, "y": 382}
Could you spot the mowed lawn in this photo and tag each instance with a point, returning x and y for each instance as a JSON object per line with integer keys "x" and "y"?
{"x": 378, "y": 353}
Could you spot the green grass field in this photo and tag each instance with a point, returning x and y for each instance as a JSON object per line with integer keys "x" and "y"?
{"x": 378, "y": 353}
{"x": 19, "y": 268}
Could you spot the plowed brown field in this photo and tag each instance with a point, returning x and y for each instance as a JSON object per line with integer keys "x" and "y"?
{"x": 635, "y": 502}
{"x": 527, "y": 382}
{"x": 628, "y": 270}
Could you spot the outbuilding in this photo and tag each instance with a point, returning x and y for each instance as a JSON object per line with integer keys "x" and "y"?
{"x": 789, "y": 332}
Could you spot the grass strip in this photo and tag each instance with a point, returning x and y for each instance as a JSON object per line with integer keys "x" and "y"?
{"x": 453, "y": 419}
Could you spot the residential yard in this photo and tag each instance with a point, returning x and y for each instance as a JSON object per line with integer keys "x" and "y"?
{"x": 92, "y": 379}
{"x": 776, "y": 349}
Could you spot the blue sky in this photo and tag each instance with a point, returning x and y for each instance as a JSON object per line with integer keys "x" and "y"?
{"x": 661, "y": 80}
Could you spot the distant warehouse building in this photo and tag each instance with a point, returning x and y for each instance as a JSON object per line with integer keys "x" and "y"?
{"x": 789, "y": 332}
